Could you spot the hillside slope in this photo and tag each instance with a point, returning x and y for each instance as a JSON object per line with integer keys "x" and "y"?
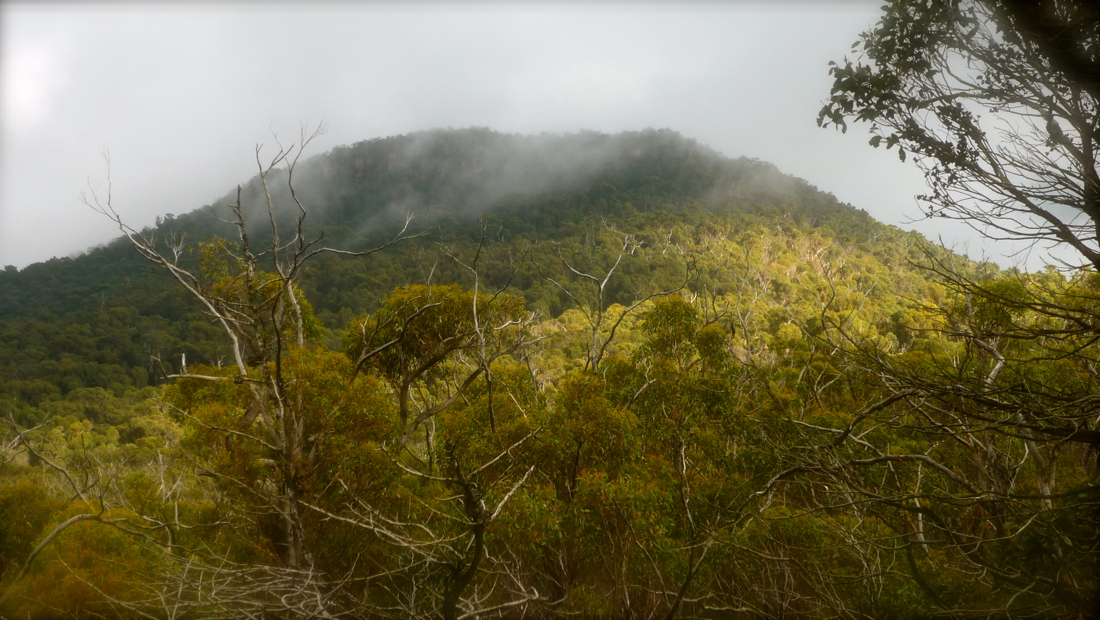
{"x": 108, "y": 319}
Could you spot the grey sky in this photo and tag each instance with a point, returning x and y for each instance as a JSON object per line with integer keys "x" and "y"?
{"x": 180, "y": 96}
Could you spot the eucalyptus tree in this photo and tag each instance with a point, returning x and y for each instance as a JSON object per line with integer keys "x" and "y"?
{"x": 998, "y": 104}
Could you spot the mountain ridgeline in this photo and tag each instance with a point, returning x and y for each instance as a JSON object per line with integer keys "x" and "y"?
{"x": 533, "y": 183}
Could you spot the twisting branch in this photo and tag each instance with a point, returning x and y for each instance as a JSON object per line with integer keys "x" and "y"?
{"x": 595, "y": 314}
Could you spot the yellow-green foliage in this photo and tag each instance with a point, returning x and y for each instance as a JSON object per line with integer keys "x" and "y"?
{"x": 702, "y": 455}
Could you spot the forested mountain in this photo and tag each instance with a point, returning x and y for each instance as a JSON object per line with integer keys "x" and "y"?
{"x": 111, "y": 319}
{"x": 596, "y": 375}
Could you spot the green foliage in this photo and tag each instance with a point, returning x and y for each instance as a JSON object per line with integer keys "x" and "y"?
{"x": 454, "y": 451}
{"x": 25, "y": 511}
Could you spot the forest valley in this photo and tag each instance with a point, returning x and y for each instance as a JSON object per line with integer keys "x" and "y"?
{"x": 592, "y": 376}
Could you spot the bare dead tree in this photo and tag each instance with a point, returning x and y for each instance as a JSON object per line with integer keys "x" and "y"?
{"x": 252, "y": 294}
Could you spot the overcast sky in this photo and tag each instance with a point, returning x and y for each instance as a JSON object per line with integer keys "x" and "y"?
{"x": 181, "y": 95}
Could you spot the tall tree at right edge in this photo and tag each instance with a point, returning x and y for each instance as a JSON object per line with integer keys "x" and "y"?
{"x": 992, "y": 465}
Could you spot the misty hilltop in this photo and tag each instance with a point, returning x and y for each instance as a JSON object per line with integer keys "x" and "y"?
{"x": 463, "y": 174}
{"x": 533, "y": 189}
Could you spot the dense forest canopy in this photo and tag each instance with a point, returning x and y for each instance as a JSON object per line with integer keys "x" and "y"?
{"x": 594, "y": 375}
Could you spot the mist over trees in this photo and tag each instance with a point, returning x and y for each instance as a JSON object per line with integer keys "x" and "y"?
{"x": 594, "y": 375}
